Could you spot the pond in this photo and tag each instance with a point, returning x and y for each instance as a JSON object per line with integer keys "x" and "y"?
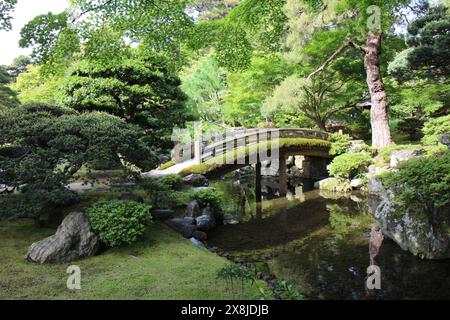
{"x": 321, "y": 241}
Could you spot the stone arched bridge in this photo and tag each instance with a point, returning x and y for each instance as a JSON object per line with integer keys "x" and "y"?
{"x": 221, "y": 153}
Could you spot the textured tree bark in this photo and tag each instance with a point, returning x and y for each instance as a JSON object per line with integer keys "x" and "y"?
{"x": 379, "y": 120}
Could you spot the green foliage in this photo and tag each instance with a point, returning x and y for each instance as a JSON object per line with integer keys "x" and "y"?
{"x": 212, "y": 199}
{"x": 51, "y": 36}
{"x": 8, "y": 98}
{"x": 429, "y": 40}
{"x": 159, "y": 26}
{"x": 339, "y": 143}
{"x": 286, "y": 290}
{"x": 140, "y": 89}
{"x": 349, "y": 165}
{"x": 167, "y": 165}
{"x": 118, "y": 222}
{"x": 316, "y": 99}
{"x": 6, "y": 8}
{"x": 20, "y": 65}
{"x": 205, "y": 85}
{"x": 423, "y": 182}
{"x": 50, "y": 144}
{"x": 232, "y": 273}
{"x": 248, "y": 89}
{"x": 34, "y": 85}
{"x": 252, "y": 26}
{"x": 210, "y": 10}
{"x": 433, "y": 128}
{"x": 420, "y": 98}
{"x": 164, "y": 191}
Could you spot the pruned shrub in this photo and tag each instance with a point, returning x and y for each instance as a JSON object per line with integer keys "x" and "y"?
{"x": 210, "y": 198}
{"x": 119, "y": 222}
{"x": 349, "y": 165}
{"x": 433, "y": 128}
{"x": 339, "y": 143}
{"x": 424, "y": 182}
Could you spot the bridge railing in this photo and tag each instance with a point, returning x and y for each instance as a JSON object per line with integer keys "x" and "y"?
{"x": 221, "y": 143}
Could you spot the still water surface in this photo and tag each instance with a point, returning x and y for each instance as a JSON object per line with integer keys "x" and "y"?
{"x": 321, "y": 241}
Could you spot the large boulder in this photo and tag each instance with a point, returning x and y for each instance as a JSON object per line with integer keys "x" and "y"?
{"x": 398, "y": 156}
{"x": 196, "y": 180}
{"x": 333, "y": 184}
{"x": 424, "y": 237}
{"x": 185, "y": 226}
{"x": 74, "y": 239}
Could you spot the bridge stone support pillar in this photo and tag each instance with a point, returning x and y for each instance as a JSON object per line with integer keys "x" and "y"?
{"x": 197, "y": 152}
{"x": 282, "y": 175}
{"x": 258, "y": 190}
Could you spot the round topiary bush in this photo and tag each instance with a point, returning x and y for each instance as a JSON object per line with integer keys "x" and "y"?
{"x": 349, "y": 165}
{"x": 118, "y": 222}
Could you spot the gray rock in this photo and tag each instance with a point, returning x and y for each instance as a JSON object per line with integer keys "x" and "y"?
{"x": 131, "y": 197}
{"x": 185, "y": 226}
{"x": 290, "y": 161}
{"x": 444, "y": 138}
{"x": 333, "y": 184}
{"x": 196, "y": 180}
{"x": 74, "y": 239}
{"x": 357, "y": 183}
{"x": 163, "y": 214}
{"x": 229, "y": 219}
{"x": 200, "y": 235}
{"x": 299, "y": 162}
{"x": 423, "y": 237}
{"x": 398, "y": 156}
{"x": 205, "y": 223}
{"x": 374, "y": 170}
{"x": 193, "y": 209}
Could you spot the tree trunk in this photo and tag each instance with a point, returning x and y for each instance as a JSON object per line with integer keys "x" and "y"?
{"x": 381, "y": 134}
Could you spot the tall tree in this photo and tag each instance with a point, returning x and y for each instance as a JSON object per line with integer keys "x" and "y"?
{"x": 140, "y": 89}
{"x": 316, "y": 98}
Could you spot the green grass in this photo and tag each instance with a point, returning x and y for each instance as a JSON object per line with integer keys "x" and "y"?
{"x": 162, "y": 265}
{"x": 283, "y": 143}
